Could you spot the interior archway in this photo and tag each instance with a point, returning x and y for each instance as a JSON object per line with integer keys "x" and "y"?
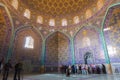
{"x": 111, "y": 29}
{"x": 88, "y": 58}
{"x": 88, "y": 40}
{"x": 57, "y": 51}
{"x": 29, "y": 55}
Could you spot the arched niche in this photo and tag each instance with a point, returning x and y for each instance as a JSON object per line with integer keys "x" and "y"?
{"x": 88, "y": 58}
{"x": 29, "y": 56}
{"x": 5, "y": 31}
{"x": 57, "y": 51}
{"x": 87, "y": 40}
{"x": 111, "y": 29}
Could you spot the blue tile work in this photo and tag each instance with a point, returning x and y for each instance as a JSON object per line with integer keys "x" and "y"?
{"x": 95, "y": 46}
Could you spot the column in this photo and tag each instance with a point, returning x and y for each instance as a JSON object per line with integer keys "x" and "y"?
{"x": 10, "y": 49}
{"x": 43, "y": 57}
{"x": 108, "y": 64}
{"x": 72, "y": 50}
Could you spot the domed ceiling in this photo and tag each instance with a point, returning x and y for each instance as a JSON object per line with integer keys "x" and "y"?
{"x": 56, "y": 8}
{"x": 56, "y": 12}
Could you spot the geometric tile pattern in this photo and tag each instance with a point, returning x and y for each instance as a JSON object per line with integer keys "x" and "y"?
{"x": 57, "y": 7}
{"x": 88, "y": 40}
{"x": 57, "y": 50}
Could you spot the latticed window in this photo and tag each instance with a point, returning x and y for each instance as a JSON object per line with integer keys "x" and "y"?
{"x": 40, "y": 19}
{"x": 64, "y": 22}
{"x": 76, "y": 19}
{"x": 86, "y": 42}
{"x": 111, "y": 50}
{"x": 29, "y": 42}
{"x": 88, "y": 13}
{"x": 15, "y": 4}
{"x": 100, "y": 4}
{"x": 27, "y": 13}
{"x": 52, "y": 22}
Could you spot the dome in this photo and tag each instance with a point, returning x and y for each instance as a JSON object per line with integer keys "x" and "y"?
{"x": 43, "y": 11}
{"x": 55, "y": 8}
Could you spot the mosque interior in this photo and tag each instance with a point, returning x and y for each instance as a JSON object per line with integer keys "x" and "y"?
{"x": 46, "y": 34}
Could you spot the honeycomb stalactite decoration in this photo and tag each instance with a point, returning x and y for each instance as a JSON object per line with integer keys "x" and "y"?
{"x": 58, "y": 10}
{"x": 57, "y": 7}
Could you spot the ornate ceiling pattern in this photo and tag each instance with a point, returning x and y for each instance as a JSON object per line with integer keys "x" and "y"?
{"x": 55, "y": 8}
{"x": 81, "y": 11}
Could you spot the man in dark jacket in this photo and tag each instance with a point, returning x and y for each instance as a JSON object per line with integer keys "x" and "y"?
{"x": 18, "y": 69}
{"x": 6, "y": 69}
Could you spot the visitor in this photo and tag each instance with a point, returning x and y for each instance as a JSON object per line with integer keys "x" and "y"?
{"x": 6, "y": 69}
{"x": 103, "y": 69}
{"x": 89, "y": 69}
{"x": 73, "y": 69}
{"x": 86, "y": 69}
{"x": 83, "y": 69}
{"x": 77, "y": 68}
{"x": 68, "y": 72}
{"x": 1, "y": 64}
{"x": 98, "y": 69}
{"x": 18, "y": 69}
{"x": 80, "y": 71}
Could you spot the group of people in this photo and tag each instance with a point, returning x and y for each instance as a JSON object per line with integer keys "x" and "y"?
{"x": 83, "y": 69}
{"x": 5, "y": 69}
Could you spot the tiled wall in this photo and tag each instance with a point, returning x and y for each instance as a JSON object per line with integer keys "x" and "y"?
{"x": 57, "y": 50}
{"x": 88, "y": 40}
{"x": 51, "y": 54}
{"x": 64, "y": 53}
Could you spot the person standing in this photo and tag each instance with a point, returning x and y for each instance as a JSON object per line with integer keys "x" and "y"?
{"x": 6, "y": 69}
{"x": 104, "y": 69}
{"x": 18, "y": 69}
{"x": 68, "y": 71}
{"x": 1, "y": 64}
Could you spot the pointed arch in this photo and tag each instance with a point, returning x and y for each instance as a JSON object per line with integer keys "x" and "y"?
{"x": 59, "y": 32}
{"x": 87, "y": 39}
{"x": 29, "y": 26}
{"x": 94, "y": 27}
{"x": 107, "y": 11}
{"x": 31, "y": 56}
{"x": 110, "y": 34}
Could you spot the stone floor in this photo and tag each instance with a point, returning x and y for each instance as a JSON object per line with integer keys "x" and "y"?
{"x": 72, "y": 77}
